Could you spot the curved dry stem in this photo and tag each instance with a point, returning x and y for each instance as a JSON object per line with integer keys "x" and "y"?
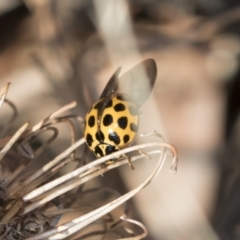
{"x": 46, "y": 127}
{"x": 3, "y": 93}
{"x": 69, "y": 185}
{"x": 68, "y": 210}
{"x": 48, "y": 166}
{"x": 15, "y": 174}
{"x": 72, "y": 130}
{"x": 139, "y": 224}
{"x": 25, "y": 148}
{"x": 78, "y": 223}
{"x": 13, "y": 139}
{"x": 97, "y": 164}
{"x": 6, "y": 126}
{"x": 12, "y": 211}
{"x": 172, "y": 149}
{"x": 52, "y": 116}
{"x": 33, "y": 185}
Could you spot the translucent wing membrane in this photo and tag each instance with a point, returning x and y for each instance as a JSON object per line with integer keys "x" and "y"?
{"x": 139, "y": 81}
{"x": 111, "y": 86}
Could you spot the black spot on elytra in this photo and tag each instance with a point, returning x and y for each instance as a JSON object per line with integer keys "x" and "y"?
{"x": 119, "y": 107}
{"x": 98, "y": 151}
{"x": 133, "y": 110}
{"x": 122, "y": 122}
{"x": 114, "y": 137}
{"x": 124, "y": 97}
{"x": 89, "y": 139}
{"x": 91, "y": 121}
{"x": 107, "y": 120}
{"x": 121, "y": 98}
{"x": 133, "y": 127}
{"x": 99, "y": 136}
{"x": 126, "y": 138}
{"x": 110, "y": 149}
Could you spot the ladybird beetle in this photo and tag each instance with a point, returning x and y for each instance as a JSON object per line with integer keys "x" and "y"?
{"x": 112, "y": 122}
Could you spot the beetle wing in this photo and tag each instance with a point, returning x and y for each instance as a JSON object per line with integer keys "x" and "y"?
{"x": 139, "y": 81}
{"x": 107, "y": 93}
{"x": 111, "y": 86}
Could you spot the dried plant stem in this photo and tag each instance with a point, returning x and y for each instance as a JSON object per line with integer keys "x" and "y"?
{"x": 68, "y": 210}
{"x": 61, "y": 190}
{"x": 13, "y": 210}
{"x": 15, "y": 174}
{"x": 13, "y": 139}
{"x": 53, "y": 115}
{"x": 33, "y": 185}
{"x": 7, "y": 125}
{"x": 95, "y": 164}
{"x": 77, "y": 224}
{"x": 141, "y": 236}
{"x": 3, "y": 93}
{"x": 48, "y": 166}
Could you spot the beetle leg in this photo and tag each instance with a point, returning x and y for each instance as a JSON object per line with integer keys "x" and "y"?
{"x": 144, "y": 154}
{"x": 129, "y": 162}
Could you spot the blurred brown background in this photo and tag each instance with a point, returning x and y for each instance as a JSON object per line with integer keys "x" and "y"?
{"x": 55, "y": 52}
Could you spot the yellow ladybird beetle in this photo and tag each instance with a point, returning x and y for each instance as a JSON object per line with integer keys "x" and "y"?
{"x": 112, "y": 122}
